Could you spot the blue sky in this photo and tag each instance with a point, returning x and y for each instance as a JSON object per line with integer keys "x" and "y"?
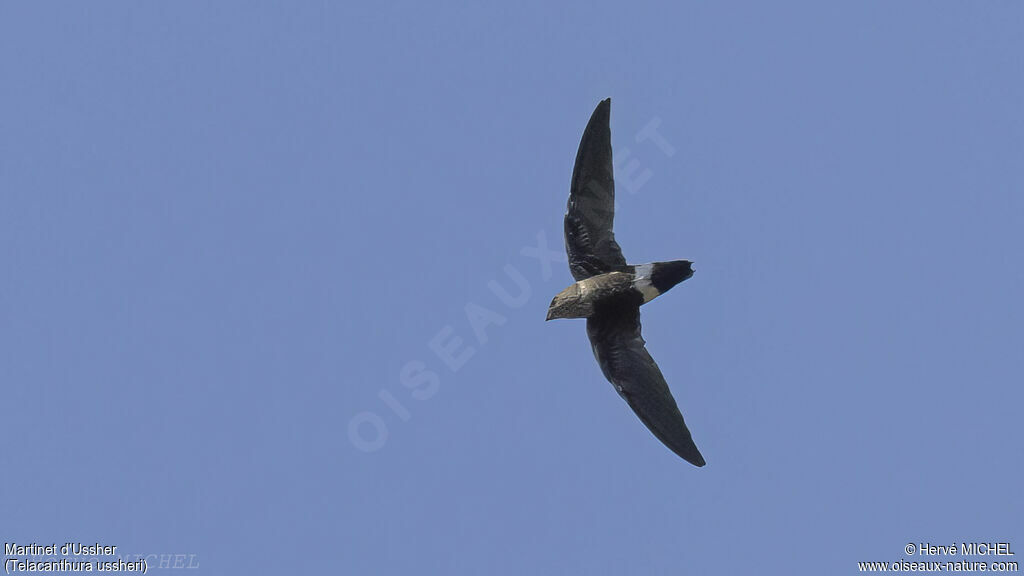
{"x": 234, "y": 233}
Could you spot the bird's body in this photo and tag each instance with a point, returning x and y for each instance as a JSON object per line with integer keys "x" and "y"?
{"x": 638, "y": 285}
{"x": 609, "y": 292}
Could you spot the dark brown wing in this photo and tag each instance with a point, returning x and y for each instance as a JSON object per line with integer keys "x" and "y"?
{"x": 589, "y": 240}
{"x": 614, "y": 333}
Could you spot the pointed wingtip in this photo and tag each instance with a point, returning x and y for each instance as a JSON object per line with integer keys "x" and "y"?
{"x": 600, "y": 119}
{"x": 690, "y": 454}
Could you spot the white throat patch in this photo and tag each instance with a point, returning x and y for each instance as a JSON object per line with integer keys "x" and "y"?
{"x": 642, "y": 282}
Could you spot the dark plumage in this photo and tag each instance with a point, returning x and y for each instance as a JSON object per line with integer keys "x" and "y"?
{"x": 609, "y": 292}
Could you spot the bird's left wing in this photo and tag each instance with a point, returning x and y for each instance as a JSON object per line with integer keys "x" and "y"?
{"x": 619, "y": 348}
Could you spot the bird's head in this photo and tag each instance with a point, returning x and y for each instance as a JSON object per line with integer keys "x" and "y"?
{"x": 565, "y": 304}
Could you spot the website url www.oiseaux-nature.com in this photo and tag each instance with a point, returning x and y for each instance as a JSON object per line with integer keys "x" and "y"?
{"x": 961, "y": 566}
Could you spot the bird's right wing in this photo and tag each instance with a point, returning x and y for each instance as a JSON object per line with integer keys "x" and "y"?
{"x": 589, "y": 240}
{"x": 619, "y": 348}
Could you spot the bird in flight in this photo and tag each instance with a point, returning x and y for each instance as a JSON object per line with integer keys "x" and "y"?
{"x": 609, "y": 292}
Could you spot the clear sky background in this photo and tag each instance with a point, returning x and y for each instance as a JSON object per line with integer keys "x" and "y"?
{"x": 229, "y": 232}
